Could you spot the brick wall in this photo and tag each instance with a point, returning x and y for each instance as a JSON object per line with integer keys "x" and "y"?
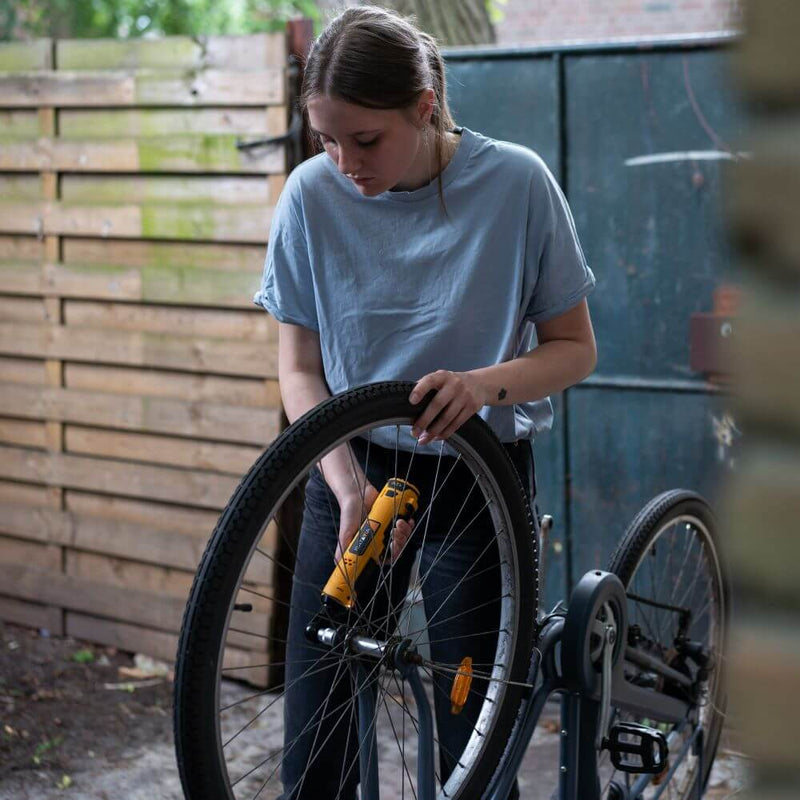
{"x": 534, "y": 21}
{"x": 537, "y": 21}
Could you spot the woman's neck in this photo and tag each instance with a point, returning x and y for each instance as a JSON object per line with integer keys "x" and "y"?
{"x": 430, "y": 169}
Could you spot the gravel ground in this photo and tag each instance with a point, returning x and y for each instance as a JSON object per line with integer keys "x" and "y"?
{"x": 73, "y": 725}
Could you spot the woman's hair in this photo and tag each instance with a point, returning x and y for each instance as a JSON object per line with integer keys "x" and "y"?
{"x": 373, "y": 57}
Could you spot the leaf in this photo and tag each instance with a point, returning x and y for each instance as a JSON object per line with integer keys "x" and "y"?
{"x": 496, "y": 14}
{"x": 129, "y": 686}
{"x": 65, "y": 782}
{"x": 83, "y": 656}
{"x": 43, "y": 747}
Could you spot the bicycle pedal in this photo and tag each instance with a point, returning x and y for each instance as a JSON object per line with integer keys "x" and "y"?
{"x": 637, "y": 748}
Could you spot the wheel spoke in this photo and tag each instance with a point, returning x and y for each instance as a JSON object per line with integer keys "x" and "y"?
{"x": 401, "y": 748}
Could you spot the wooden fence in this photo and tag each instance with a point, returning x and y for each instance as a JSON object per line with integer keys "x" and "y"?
{"x": 137, "y": 380}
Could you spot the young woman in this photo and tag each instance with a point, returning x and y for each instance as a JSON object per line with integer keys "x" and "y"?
{"x": 411, "y": 249}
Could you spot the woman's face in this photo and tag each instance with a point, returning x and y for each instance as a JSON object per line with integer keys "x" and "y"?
{"x": 376, "y": 149}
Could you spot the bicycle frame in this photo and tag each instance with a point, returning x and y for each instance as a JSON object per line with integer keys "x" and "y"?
{"x": 580, "y": 691}
{"x": 571, "y": 675}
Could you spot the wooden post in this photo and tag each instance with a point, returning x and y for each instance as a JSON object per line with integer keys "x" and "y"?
{"x": 54, "y": 368}
{"x": 763, "y": 510}
{"x": 300, "y": 35}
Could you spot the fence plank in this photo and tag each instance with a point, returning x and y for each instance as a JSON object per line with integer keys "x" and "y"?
{"x": 22, "y": 309}
{"x": 142, "y": 88}
{"x": 126, "y": 574}
{"x": 28, "y": 55}
{"x": 22, "y": 278}
{"x": 239, "y": 424}
{"x": 240, "y": 325}
{"x": 23, "y": 433}
{"x": 85, "y": 594}
{"x": 79, "y": 594}
{"x": 137, "y": 122}
{"x": 225, "y": 458}
{"x": 42, "y": 555}
{"x": 17, "y": 125}
{"x": 187, "y": 153}
{"x": 18, "y": 189}
{"x": 243, "y": 223}
{"x": 139, "y": 348}
{"x": 186, "y": 190}
{"x": 158, "y": 579}
{"x": 21, "y": 248}
{"x": 132, "y": 541}
{"x": 193, "y": 487}
{"x": 175, "y": 285}
{"x": 160, "y": 383}
{"x": 162, "y": 255}
{"x": 241, "y": 53}
{"x": 22, "y": 370}
{"x": 27, "y": 494}
{"x": 32, "y": 615}
{"x": 195, "y": 522}
{"x": 249, "y": 666}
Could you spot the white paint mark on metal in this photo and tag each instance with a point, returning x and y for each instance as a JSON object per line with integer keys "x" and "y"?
{"x": 685, "y": 155}
{"x": 725, "y": 432}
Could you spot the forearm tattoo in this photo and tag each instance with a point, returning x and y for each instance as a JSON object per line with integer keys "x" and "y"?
{"x": 501, "y": 394}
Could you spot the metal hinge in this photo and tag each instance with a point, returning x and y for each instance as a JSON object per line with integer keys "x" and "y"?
{"x": 292, "y": 135}
{"x": 295, "y": 129}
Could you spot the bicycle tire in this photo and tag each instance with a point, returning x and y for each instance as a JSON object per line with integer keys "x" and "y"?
{"x": 653, "y": 523}
{"x": 276, "y": 473}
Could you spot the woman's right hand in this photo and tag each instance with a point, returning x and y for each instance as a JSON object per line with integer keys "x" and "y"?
{"x": 353, "y": 509}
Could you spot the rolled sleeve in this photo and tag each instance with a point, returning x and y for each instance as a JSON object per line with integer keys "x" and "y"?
{"x": 557, "y": 274}
{"x": 287, "y": 283}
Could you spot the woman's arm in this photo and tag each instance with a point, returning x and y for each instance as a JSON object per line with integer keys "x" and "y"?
{"x": 303, "y": 386}
{"x": 300, "y": 375}
{"x": 566, "y": 354}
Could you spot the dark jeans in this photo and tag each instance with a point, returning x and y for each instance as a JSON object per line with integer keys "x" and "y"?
{"x": 461, "y": 593}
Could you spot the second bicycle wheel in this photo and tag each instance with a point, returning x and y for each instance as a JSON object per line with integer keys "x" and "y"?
{"x": 670, "y": 564}
{"x": 284, "y": 723}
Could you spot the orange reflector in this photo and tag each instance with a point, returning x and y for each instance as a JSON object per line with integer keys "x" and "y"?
{"x": 461, "y": 686}
{"x": 657, "y": 780}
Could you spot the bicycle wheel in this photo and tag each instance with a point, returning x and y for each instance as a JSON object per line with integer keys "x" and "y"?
{"x": 235, "y": 742}
{"x": 672, "y": 570}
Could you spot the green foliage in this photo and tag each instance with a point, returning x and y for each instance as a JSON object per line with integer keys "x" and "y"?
{"x": 127, "y": 19}
{"x": 496, "y": 13}
{"x": 42, "y": 749}
{"x": 83, "y": 656}
{"x": 271, "y": 15}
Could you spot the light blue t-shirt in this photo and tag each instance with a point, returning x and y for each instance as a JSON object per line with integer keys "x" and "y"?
{"x": 397, "y": 290}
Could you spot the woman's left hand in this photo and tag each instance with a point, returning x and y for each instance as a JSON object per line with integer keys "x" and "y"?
{"x": 458, "y": 396}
